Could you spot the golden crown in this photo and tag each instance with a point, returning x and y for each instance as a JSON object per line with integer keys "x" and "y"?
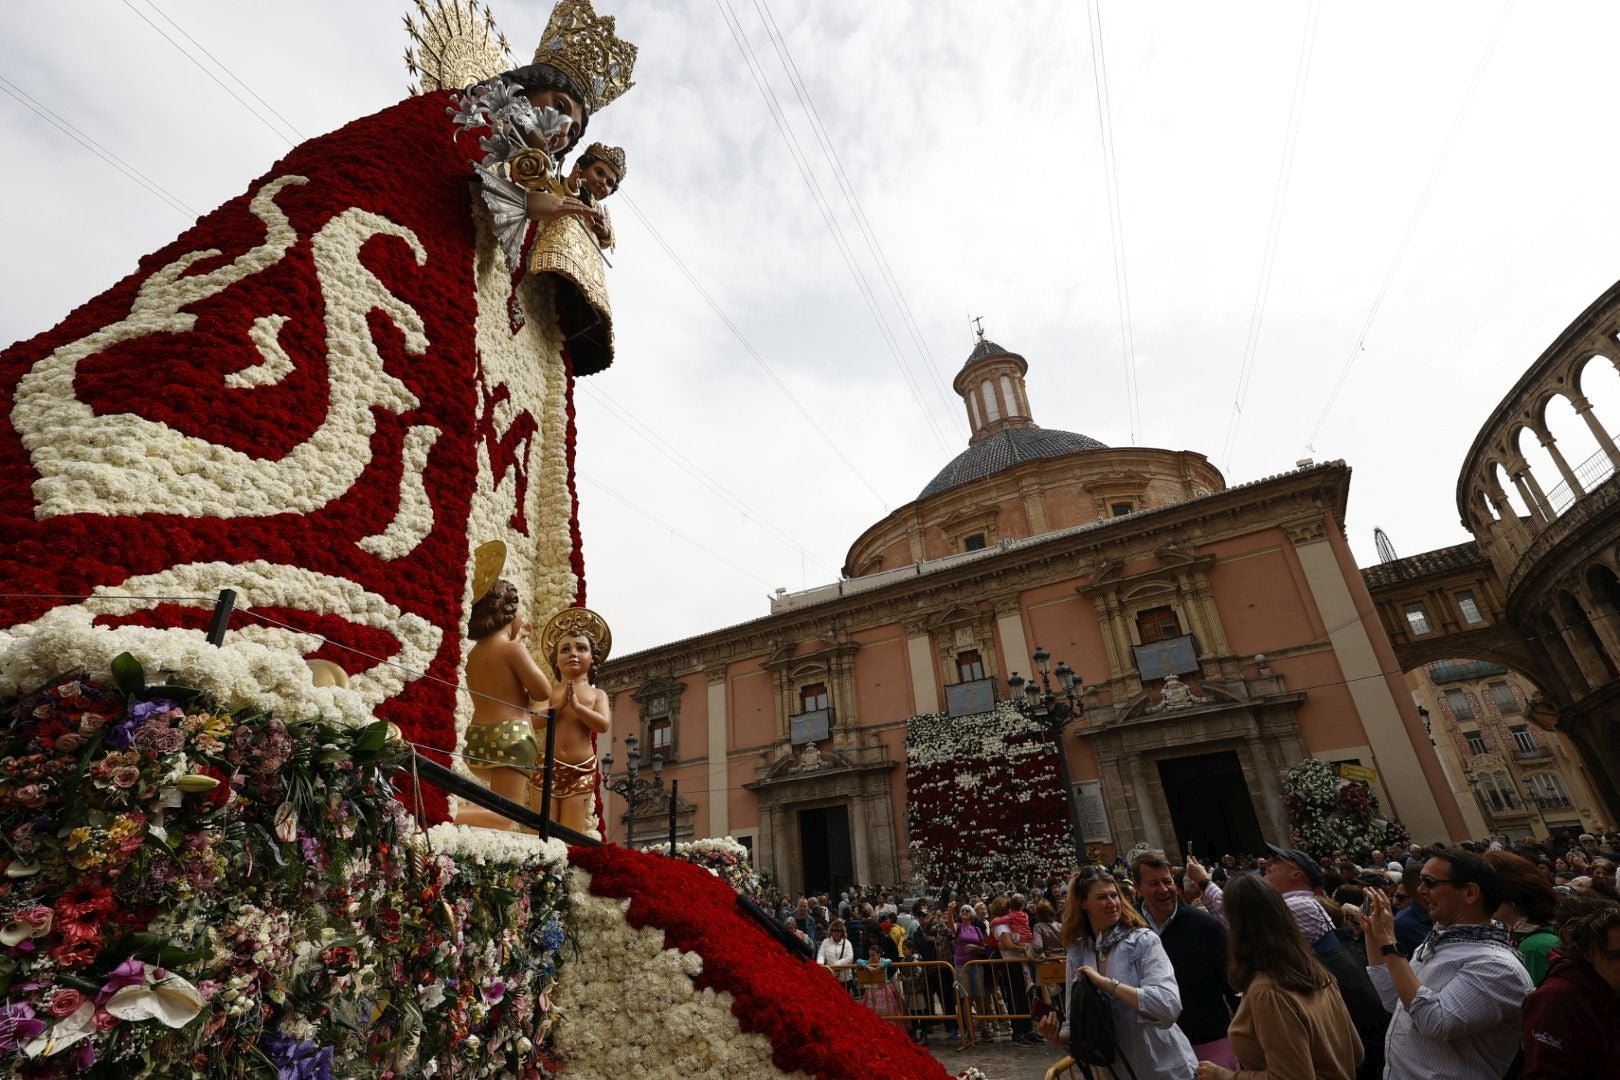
{"x": 573, "y": 622}
{"x": 582, "y": 46}
{"x": 613, "y": 155}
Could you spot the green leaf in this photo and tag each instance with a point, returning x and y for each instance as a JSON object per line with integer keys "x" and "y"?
{"x": 179, "y": 694}
{"x": 128, "y": 674}
{"x": 372, "y": 738}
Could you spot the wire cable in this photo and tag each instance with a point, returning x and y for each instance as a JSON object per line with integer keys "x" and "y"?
{"x": 1279, "y": 200}
{"x": 748, "y": 347}
{"x": 221, "y": 65}
{"x": 1116, "y": 220}
{"x": 829, "y": 219}
{"x": 874, "y": 246}
{"x": 72, "y": 131}
{"x": 1360, "y": 344}
{"x": 260, "y": 117}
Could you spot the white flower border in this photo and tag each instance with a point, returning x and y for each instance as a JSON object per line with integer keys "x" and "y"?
{"x": 627, "y": 1005}
{"x": 485, "y": 847}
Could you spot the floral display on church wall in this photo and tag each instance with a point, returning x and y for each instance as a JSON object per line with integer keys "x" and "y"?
{"x": 191, "y": 889}
{"x": 1327, "y": 813}
{"x": 985, "y": 798}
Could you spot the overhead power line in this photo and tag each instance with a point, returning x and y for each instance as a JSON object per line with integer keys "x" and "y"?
{"x": 1116, "y": 220}
{"x": 67, "y": 128}
{"x": 221, "y": 65}
{"x": 1279, "y": 199}
{"x": 779, "y": 116}
{"x": 939, "y": 381}
{"x": 1360, "y": 343}
{"x": 748, "y": 347}
{"x": 204, "y": 69}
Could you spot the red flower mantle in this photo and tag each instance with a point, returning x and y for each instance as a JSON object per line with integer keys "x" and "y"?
{"x": 403, "y": 165}
{"x": 812, "y": 1023}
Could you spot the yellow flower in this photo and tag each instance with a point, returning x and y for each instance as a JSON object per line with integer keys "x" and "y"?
{"x": 79, "y": 837}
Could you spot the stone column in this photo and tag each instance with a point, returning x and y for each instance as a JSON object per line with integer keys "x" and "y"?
{"x": 1584, "y": 407}
{"x": 919, "y": 654}
{"x": 1551, "y": 445}
{"x": 719, "y": 789}
{"x": 1014, "y": 646}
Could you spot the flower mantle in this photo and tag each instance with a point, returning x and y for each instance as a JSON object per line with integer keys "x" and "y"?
{"x": 985, "y": 797}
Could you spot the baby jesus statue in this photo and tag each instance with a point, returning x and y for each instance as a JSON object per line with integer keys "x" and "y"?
{"x": 575, "y": 641}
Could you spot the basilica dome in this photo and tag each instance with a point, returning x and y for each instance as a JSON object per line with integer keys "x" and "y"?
{"x": 1017, "y": 479}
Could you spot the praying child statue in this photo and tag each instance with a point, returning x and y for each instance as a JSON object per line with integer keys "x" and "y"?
{"x": 575, "y": 641}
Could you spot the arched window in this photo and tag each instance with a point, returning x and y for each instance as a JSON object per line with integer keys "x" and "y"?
{"x": 1008, "y": 398}
{"x": 988, "y": 391}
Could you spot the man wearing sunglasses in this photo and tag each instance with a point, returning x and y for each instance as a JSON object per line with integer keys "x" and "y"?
{"x": 1456, "y": 1004}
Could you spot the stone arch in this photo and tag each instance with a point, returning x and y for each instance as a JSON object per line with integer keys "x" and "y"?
{"x": 1500, "y": 481}
{"x": 1575, "y": 624}
{"x": 1545, "y": 467}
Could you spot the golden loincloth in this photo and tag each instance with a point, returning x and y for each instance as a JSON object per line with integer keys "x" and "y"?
{"x": 567, "y": 779}
{"x": 510, "y": 743}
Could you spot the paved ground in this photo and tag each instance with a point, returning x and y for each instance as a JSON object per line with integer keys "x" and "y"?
{"x": 999, "y": 1060}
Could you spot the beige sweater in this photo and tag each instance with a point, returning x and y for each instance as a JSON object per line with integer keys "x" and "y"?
{"x": 1279, "y": 1034}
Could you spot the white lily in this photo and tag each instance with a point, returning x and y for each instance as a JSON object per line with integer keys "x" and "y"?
{"x": 79, "y": 1024}
{"x": 172, "y": 1001}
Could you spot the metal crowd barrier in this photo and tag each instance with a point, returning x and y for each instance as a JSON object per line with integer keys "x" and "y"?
{"x": 995, "y": 978}
{"x": 925, "y": 990}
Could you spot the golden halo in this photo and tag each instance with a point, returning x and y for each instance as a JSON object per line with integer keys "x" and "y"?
{"x": 327, "y": 673}
{"x": 488, "y": 562}
{"x": 571, "y": 621}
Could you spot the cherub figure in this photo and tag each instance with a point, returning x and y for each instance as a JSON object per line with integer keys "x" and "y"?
{"x": 575, "y": 641}
{"x": 502, "y": 746}
{"x": 597, "y": 173}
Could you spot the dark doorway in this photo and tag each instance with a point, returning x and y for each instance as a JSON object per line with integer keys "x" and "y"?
{"x": 1210, "y": 806}
{"x": 824, "y": 843}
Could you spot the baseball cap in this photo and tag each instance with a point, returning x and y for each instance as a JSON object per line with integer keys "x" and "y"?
{"x": 1313, "y": 872}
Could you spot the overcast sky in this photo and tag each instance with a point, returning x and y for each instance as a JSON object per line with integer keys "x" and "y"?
{"x": 970, "y": 134}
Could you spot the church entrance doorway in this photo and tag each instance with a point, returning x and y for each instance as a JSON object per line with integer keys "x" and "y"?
{"x": 825, "y": 849}
{"x": 1210, "y": 806}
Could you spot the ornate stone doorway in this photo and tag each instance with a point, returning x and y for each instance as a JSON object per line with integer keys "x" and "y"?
{"x": 825, "y": 849}
{"x": 1210, "y": 807}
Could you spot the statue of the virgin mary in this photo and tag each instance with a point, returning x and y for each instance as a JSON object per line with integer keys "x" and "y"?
{"x": 330, "y": 389}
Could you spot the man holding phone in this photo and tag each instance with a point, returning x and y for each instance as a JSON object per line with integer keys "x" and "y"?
{"x": 1195, "y": 941}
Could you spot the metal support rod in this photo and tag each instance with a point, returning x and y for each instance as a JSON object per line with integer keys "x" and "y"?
{"x": 674, "y": 790}
{"x": 466, "y": 787}
{"x": 221, "y": 621}
{"x": 545, "y": 780}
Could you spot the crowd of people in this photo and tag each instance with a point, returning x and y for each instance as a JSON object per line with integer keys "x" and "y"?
{"x": 1485, "y": 959}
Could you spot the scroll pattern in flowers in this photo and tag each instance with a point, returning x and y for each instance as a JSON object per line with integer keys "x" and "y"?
{"x": 287, "y": 396}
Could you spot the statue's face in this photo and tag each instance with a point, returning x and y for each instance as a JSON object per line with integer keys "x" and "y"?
{"x": 564, "y": 103}
{"x": 598, "y": 178}
{"x": 574, "y": 655}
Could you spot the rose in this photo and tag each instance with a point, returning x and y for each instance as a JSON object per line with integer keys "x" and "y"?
{"x": 126, "y": 776}
{"x": 65, "y": 1002}
{"x": 530, "y": 167}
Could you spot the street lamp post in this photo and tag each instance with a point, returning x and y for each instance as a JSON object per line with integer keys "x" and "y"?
{"x": 630, "y": 786}
{"x": 1043, "y": 703}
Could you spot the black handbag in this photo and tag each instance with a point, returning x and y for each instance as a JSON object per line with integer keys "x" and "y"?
{"x": 1091, "y": 1029}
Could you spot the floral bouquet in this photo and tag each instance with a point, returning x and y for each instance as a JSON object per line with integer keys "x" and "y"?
{"x": 1327, "y": 813}
{"x": 191, "y": 890}
{"x": 726, "y": 859}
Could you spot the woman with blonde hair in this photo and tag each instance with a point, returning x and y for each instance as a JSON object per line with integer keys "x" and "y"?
{"x": 1111, "y": 947}
{"x": 1292, "y": 1024}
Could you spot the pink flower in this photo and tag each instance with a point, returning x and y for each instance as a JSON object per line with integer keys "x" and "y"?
{"x": 65, "y": 1002}
{"x": 126, "y": 776}
{"x": 38, "y": 917}
{"x": 105, "y": 1020}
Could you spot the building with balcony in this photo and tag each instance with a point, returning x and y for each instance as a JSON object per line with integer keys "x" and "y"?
{"x": 1537, "y": 589}
{"x": 1217, "y": 630}
{"x": 1521, "y": 779}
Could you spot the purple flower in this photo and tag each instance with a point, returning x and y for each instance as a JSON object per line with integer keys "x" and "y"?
{"x": 142, "y": 710}
{"x": 131, "y": 972}
{"x": 299, "y": 1059}
{"x": 17, "y": 1026}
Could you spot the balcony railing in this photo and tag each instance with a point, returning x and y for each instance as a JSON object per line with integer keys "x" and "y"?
{"x": 810, "y": 727}
{"x": 1591, "y": 472}
{"x": 1444, "y": 671}
{"x": 1553, "y": 802}
{"x": 1534, "y": 753}
{"x": 970, "y": 698}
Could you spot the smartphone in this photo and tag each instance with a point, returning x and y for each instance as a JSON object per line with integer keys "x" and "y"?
{"x": 1038, "y": 1009}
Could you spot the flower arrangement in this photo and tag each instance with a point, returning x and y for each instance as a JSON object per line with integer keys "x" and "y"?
{"x": 985, "y": 797}
{"x": 726, "y": 859}
{"x": 1327, "y": 813}
{"x": 747, "y": 1008}
{"x": 194, "y": 890}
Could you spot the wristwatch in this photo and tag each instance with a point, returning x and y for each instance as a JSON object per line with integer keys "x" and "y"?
{"x": 1390, "y": 950}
